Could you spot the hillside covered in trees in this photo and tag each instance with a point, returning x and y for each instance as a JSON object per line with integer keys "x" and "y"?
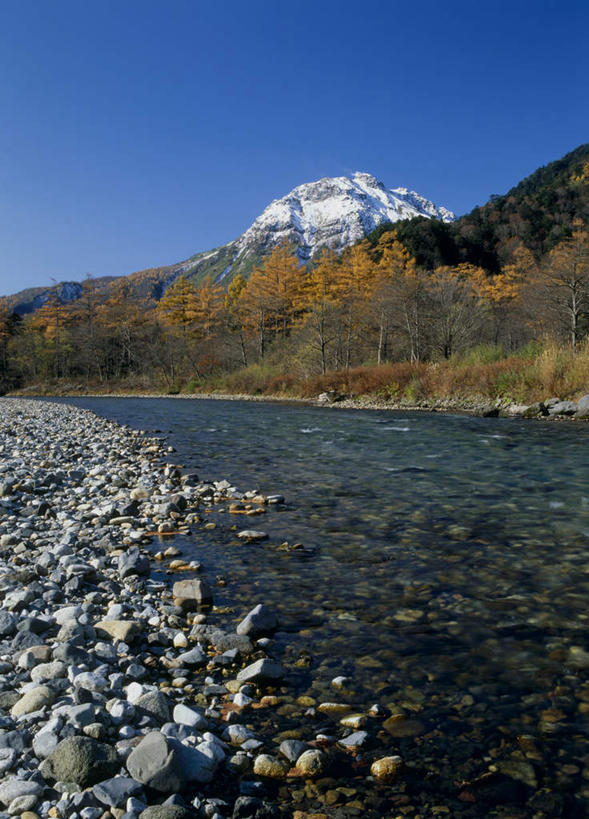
{"x": 495, "y": 289}
{"x": 538, "y": 213}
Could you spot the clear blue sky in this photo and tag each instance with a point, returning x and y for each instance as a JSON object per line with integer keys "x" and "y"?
{"x": 135, "y": 133}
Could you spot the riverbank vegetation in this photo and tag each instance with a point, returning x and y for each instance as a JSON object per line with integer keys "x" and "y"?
{"x": 494, "y": 305}
{"x": 368, "y": 323}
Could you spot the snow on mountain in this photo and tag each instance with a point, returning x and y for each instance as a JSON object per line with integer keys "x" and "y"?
{"x": 333, "y": 212}
{"x": 336, "y": 212}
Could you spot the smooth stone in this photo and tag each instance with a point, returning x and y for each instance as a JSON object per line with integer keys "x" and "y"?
{"x": 563, "y": 408}
{"x": 198, "y": 764}
{"x": 14, "y": 788}
{"x": 123, "y": 630}
{"x": 34, "y": 700}
{"x": 355, "y": 740}
{"x": 82, "y": 760}
{"x": 115, "y": 792}
{"x": 237, "y": 734}
{"x": 260, "y": 620}
{"x": 34, "y": 655}
{"x": 7, "y": 624}
{"x": 133, "y": 562}
{"x": 264, "y": 670}
{"x": 48, "y": 671}
{"x": 22, "y": 804}
{"x": 270, "y": 766}
{"x": 7, "y": 759}
{"x": 252, "y": 535}
{"x": 155, "y": 762}
{"x": 156, "y": 704}
{"x": 183, "y": 715}
{"x": 399, "y": 726}
{"x": 387, "y": 769}
{"x": 312, "y": 763}
{"x": 191, "y": 594}
{"x": 44, "y": 743}
{"x": 194, "y": 657}
{"x": 292, "y": 749}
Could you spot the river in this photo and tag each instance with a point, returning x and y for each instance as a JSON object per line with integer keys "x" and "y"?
{"x": 442, "y": 565}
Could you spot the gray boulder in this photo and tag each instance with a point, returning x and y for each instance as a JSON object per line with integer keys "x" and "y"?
{"x": 191, "y": 594}
{"x": 133, "y": 562}
{"x": 82, "y": 760}
{"x": 156, "y": 704}
{"x": 261, "y": 671}
{"x": 563, "y": 408}
{"x": 260, "y": 620}
{"x": 155, "y": 762}
{"x": 583, "y": 407}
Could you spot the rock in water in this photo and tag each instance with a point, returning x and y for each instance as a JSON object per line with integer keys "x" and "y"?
{"x": 260, "y": 620}
{"x": 191, "y": 594}
{"x": 261, "y": 671}
{"x": 387, "y": 769}
{"x": 312, "y": 763}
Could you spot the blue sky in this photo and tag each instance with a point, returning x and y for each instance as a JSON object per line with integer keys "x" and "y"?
{"x": 135, "y": 133}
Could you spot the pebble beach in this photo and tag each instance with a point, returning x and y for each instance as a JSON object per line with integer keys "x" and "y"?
{"x": 124, "y": 692}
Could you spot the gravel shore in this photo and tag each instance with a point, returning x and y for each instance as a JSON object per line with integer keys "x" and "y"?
{"x": 121, "y": 694}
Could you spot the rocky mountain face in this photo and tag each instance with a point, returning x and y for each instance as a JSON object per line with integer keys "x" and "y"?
{"x": 333, "y": 212}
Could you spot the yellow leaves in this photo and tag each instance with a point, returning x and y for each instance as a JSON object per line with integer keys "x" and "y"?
{"x": 274, "y": 291}
{"x": 209, "y": 303}
{"x": 501, "y": 288}
{"x": 194, "y": 311}
{"x": 322, "y": 283}
{"x": 178, "y": 305}
{"x": 51, "y": 318}
{"x": 582, "y": 176}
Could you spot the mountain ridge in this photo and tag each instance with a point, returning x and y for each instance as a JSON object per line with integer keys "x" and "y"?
{"x": 331, "y": 212}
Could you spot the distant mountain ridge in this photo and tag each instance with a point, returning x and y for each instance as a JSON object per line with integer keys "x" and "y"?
{"x": 333, "y": 212}
{"x": 539, "y": 212}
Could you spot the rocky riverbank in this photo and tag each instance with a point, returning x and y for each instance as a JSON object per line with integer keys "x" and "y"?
{"x": 553, "y": 408}
{"x": 125, "y": 696}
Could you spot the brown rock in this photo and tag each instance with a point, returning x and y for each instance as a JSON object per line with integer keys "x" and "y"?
{"x": 387, "y": 769}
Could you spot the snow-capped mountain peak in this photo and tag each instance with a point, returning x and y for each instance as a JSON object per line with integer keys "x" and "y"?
{"x": 333, "y": 212}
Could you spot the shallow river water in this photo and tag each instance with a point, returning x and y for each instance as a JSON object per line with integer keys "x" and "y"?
{"x": 444, "y": 570}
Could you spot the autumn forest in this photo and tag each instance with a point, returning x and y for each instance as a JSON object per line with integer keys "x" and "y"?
{"x": 495, "y": 304}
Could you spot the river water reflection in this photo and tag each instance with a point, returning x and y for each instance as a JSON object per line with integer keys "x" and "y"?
{"x": 445, "y": 571}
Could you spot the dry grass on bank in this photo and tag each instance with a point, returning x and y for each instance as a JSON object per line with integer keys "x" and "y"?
{"x": 531, "y": 375}
{"x": 483, "y": 374}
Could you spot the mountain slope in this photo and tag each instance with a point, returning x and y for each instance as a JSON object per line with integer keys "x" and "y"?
{"x": 538, "y": 212}
{"x": 334, "y": 212}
